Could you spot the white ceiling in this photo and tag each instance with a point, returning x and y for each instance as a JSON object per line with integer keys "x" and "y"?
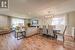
{"x": 37, "y": 8}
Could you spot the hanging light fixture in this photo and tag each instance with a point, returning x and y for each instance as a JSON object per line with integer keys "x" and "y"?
{"x": 49, "y": 15}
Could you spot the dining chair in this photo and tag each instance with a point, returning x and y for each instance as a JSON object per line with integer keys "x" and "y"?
{"x": 44, "y": 30}
{"x": 50, "y": 31}
{"x": 61, "y": 34}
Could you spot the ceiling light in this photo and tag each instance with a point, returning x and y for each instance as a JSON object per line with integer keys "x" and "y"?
{"x": 49, "y": 16}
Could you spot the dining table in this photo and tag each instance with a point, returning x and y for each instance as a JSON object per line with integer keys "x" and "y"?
{"x": 55, "y": 31}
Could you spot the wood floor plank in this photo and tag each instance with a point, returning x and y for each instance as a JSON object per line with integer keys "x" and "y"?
{"x": 36, "y": 42}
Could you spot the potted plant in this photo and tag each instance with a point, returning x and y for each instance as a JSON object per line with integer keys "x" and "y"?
{"x": 29, "y": 24}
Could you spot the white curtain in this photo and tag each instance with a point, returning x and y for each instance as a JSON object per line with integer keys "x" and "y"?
{"x": 17, "y": 22}
{"x": 58, "y": 21}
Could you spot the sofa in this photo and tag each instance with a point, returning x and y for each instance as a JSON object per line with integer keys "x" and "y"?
{"x": 5, "y": 30}
{"x": 31, "y": 31}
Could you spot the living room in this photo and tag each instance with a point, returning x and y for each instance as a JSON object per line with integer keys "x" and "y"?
{"x": 37, "y": 25}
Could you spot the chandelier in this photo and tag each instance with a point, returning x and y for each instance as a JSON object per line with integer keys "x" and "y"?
{"x": 49, "y": 15}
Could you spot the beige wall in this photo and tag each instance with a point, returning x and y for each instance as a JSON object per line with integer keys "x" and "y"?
{"x": 4, "y": 21}
{"x": 72, "y": 19}
{"x": 70, "y": 22}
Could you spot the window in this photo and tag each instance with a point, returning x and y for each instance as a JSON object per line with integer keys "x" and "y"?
{"x": 3, "y": 3}
{"x": 58, "y": 21}
{"x": 34, "y": 22}
{"x": 17, "y": 22}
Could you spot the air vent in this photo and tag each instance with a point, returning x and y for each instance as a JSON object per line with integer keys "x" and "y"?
{"x": 4, "y": 4}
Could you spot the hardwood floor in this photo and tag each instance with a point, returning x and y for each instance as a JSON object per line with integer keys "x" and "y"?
{"x": 36, "y": 42}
